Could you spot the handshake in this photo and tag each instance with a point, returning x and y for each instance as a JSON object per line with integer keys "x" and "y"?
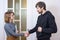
{"x": 26, "y": 34}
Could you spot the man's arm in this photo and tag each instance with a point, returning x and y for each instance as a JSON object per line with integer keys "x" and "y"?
{"x": 35, "y": 28}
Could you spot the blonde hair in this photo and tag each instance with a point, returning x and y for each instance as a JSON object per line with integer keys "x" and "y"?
{"x": 7, "y": 16}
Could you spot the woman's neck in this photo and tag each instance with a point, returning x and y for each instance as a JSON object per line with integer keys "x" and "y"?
{"x": 11, "y": 21}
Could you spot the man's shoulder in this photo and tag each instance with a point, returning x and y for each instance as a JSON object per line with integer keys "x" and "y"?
{"x": 49, "y": 14}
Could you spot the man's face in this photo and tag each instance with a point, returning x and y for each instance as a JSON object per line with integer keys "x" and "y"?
{"x": 39, "y": 10}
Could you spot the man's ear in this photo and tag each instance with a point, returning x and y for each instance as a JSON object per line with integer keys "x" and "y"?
{"x": 42, "y": 8}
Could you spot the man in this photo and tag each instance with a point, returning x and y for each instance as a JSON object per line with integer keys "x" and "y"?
{"x": 45, "y": 24}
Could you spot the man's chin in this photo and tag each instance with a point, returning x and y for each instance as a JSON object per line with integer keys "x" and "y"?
{"x": 39, "y": 12}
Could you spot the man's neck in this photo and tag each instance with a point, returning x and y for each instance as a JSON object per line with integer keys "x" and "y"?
{"x": 43, "y": 12}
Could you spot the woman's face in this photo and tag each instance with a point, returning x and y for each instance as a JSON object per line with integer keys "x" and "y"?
{"x": 12, "y": 16}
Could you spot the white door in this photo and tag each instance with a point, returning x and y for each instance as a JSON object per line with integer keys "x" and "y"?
{"x": 19, "y": 7}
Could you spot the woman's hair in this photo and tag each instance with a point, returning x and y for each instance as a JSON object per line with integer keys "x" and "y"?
{"x": 7, "y": 16}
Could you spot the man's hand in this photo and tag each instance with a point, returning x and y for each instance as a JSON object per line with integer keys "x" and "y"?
{"x": 26, "y": 34}
{"x": 39, "y": 29}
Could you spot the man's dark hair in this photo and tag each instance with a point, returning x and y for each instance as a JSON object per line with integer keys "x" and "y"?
{"x": 41, "y": 4}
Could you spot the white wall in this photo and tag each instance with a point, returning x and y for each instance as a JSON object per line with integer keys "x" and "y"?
{"x": 53, "y": 6}
{"x": 2, "y": 10}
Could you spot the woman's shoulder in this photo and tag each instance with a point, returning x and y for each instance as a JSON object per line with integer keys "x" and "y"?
{"x": 9, "y": 25}
{"x": 6, "y": 24}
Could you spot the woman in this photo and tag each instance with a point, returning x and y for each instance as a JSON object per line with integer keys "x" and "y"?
{"x": 10, "y": 26}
